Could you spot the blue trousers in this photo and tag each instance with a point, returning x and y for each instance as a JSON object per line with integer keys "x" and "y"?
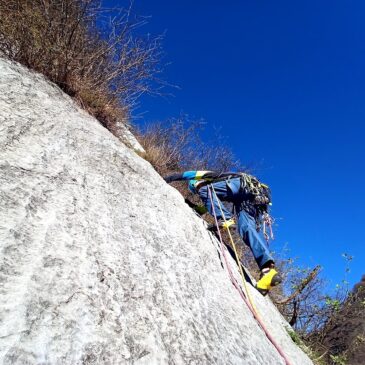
{"x": 229, "y": 191}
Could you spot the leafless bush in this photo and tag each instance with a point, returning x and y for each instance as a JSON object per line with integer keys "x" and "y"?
{"x": 177, "y": 145}
{"x": 301, "y": 296}
{"x": 304, "y": 301}
{"x": 343, "y": 333}
{"x": 87, "y": 50}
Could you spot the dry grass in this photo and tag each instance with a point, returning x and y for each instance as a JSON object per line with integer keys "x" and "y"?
{"x": 87, "y": 50}
{"x": 177, "y": 145}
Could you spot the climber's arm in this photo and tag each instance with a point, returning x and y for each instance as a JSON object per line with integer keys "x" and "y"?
{"x": 198, "y": 175}
{"x": 187, "y": 175}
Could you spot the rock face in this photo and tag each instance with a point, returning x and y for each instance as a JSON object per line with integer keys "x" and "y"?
{"x": 101, "y": 261}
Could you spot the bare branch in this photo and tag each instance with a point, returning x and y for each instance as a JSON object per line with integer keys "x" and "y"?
{"x": 311, "y": 276}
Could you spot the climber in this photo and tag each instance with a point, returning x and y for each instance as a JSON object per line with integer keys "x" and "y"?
{"x": 250, "y": 200}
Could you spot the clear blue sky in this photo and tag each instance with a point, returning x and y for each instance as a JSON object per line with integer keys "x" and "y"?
{"x": 286, "y": 81}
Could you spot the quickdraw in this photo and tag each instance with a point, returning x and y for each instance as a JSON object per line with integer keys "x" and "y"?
{"x": 268, "y": 222}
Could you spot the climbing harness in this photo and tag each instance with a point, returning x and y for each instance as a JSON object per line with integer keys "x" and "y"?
{"x": 245, "y": 296}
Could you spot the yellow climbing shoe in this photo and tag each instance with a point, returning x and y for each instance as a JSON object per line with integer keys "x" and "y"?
{"x": 269, "y": 278}
{"x": 230, "y": 223}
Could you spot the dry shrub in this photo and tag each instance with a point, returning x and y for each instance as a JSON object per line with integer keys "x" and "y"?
{"x": 342, "y": 337}
{"x": 177, "y": 145}
{"x": 87, "y": 50}
{"x": 318, "y": 317}
{"x": 300, "y": 296}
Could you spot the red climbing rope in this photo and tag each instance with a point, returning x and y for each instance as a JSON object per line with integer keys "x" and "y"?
{"x": 238, "y": 287}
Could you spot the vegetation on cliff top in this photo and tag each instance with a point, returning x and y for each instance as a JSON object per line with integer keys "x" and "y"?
{"x": 90, "y": 51}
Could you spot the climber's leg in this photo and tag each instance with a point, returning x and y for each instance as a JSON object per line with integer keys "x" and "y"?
{"x": 221, "y": 192}
{"x": 247, "y": 230}
{"x": 253, "y": 239}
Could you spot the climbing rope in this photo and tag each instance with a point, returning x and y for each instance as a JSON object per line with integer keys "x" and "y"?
{"x": 246, "y": 297}
{"x": 235, "y": 252}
